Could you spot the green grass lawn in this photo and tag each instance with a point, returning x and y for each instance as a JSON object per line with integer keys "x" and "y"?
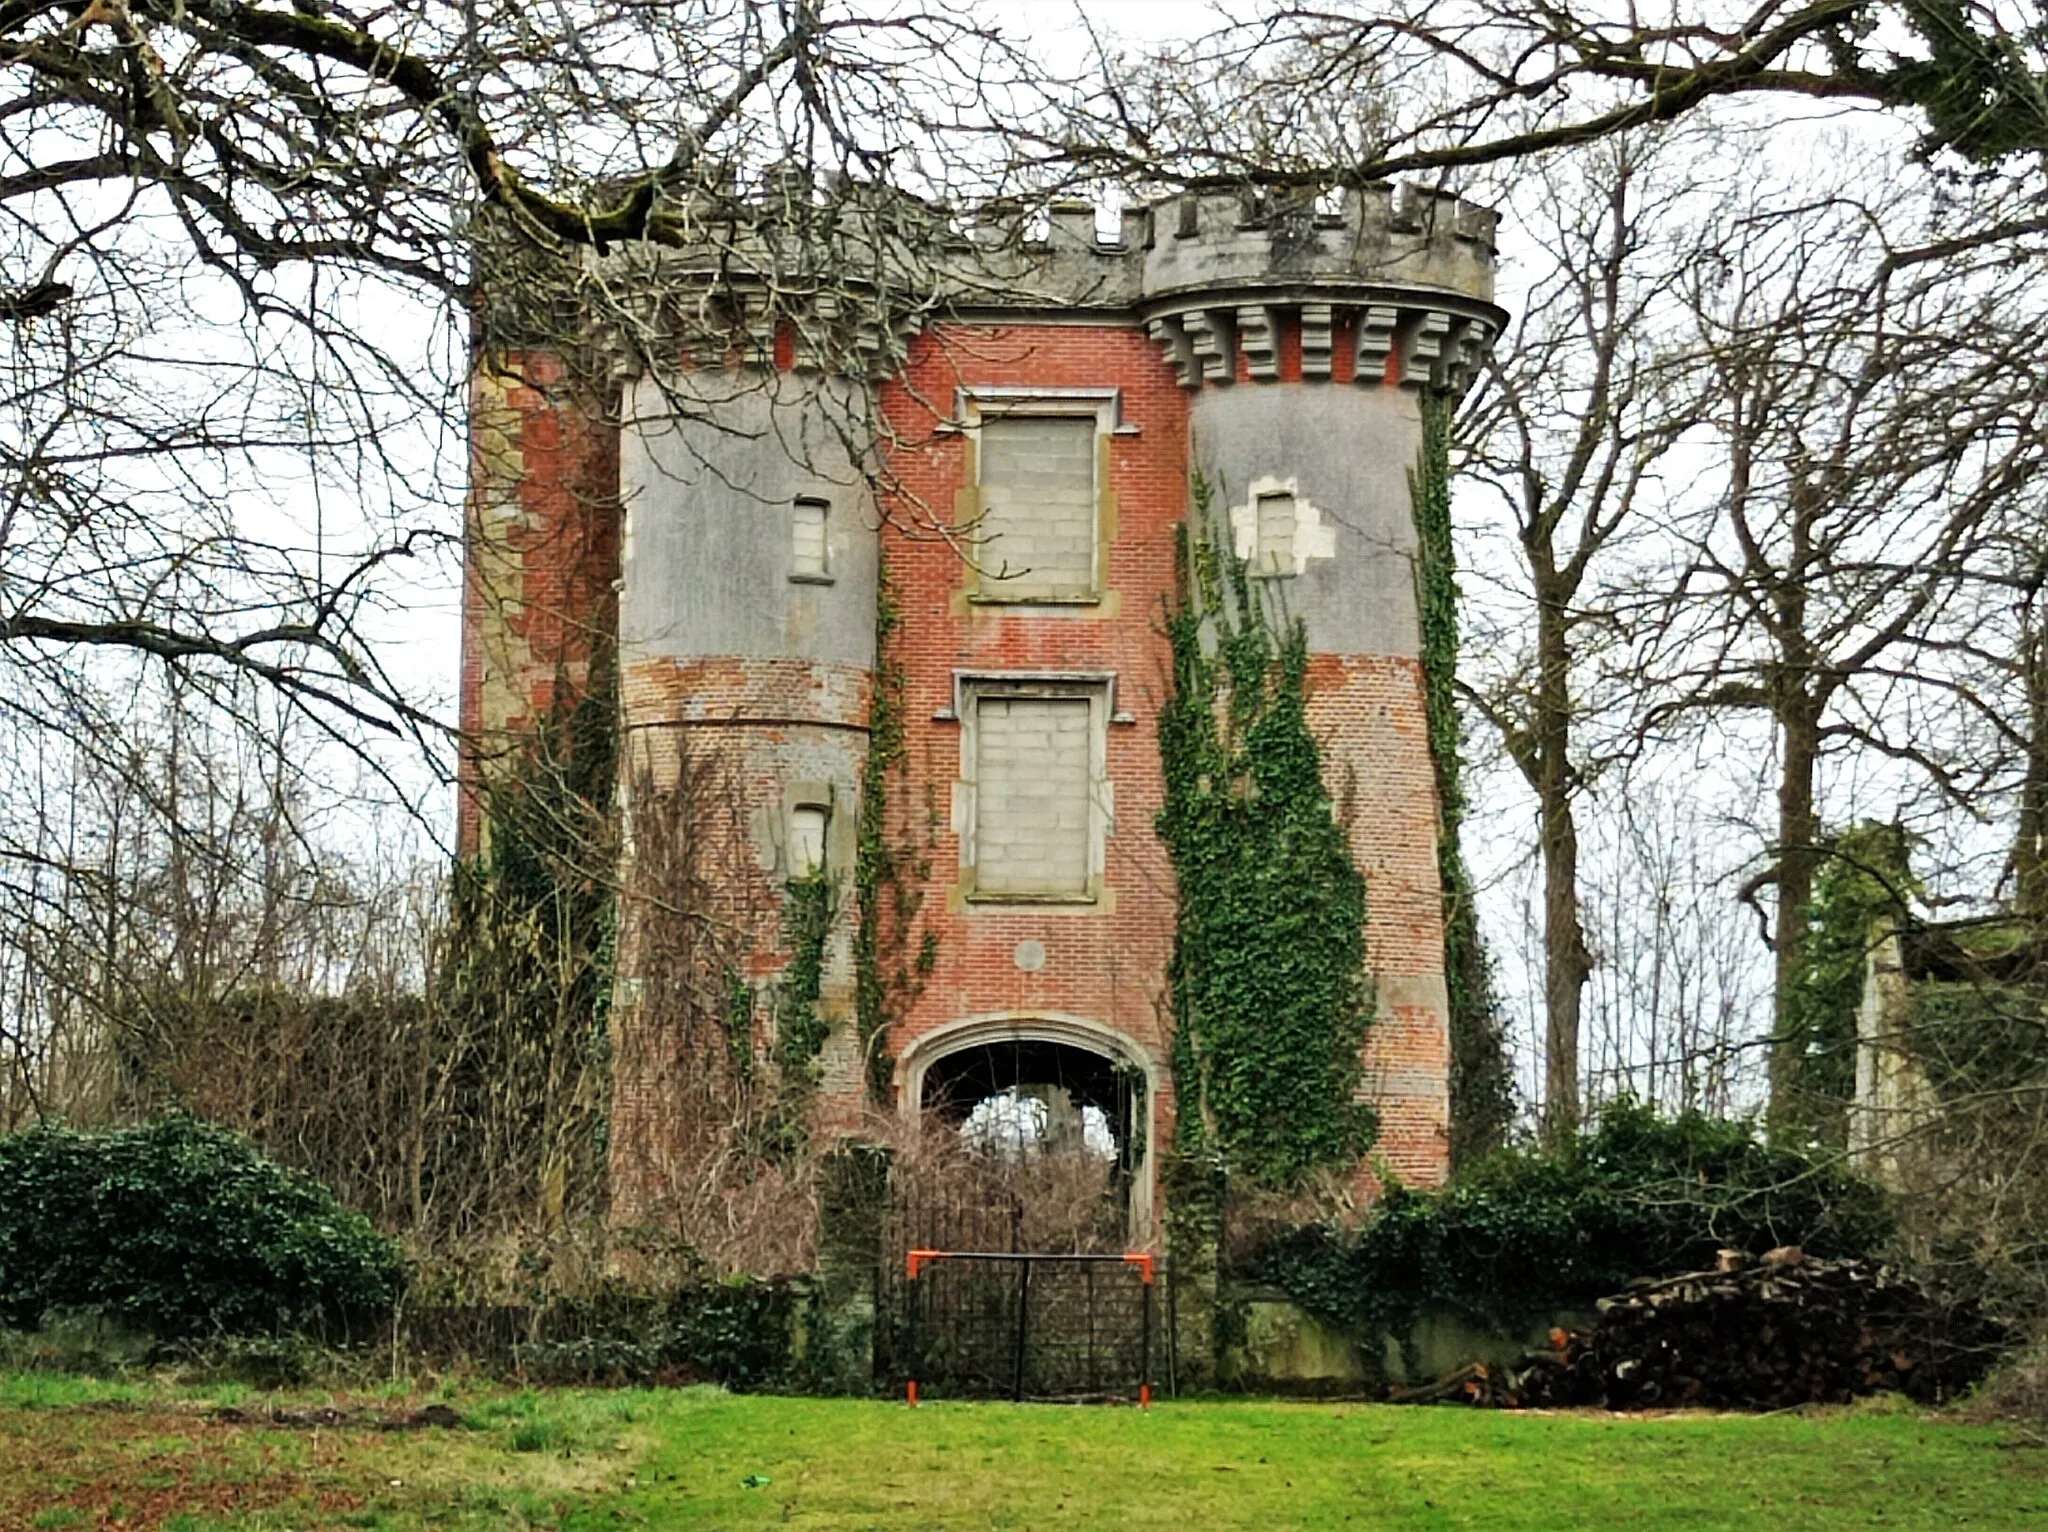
{"x": 75, "y": 1453}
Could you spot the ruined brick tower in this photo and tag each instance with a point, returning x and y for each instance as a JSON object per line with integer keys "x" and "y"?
{"x": 992, "y": 487}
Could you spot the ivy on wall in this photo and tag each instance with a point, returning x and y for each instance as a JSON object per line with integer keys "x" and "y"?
{"x": 1268, "y": 979}
{"x": 885, "y": 877}
{"x": 1481, "y": 1086}
{"x": 809, "y": 904}
{"x": 532, "y": 949}
{"x": 1866, "y": 875}
{"x": 806, "y": 925}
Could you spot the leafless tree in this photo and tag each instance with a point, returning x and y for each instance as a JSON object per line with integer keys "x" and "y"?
{"x": 1572, "y": 435}
{"x": 1492, "y": 82}
{"x": 1871, "y": 416}
{"x": 250, "y": 253}
{"x": 230, "y": 224}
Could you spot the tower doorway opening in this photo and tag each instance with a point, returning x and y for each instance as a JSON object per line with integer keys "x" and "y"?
{"x": 1045, "y": 1133}
{"x": 1030, "y": 1098}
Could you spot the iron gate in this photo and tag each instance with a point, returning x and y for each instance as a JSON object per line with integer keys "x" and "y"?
{"x": 983, "y": 1324}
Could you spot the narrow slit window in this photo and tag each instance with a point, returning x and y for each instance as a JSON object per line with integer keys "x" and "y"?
{"x": 809, "y": 546}
{"x": 1274, "y": 551}
{"x": 808, "y": 823}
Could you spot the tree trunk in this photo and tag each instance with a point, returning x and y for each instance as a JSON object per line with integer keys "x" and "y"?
{"x": 1798, "y": 862}
{"x": 2030, "y": 839}
{"x": 1566, "y": 963}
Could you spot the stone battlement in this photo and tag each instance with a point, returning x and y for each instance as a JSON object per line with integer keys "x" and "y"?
{"x": 1379, "y": 235}
{"x": 838, "y": 281}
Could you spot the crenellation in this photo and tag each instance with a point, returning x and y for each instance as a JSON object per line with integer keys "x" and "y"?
{"x": 1072, "y": 226}
{"x": 1377, "y": 243}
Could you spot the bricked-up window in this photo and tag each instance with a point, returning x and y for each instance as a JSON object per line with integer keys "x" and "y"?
{"x": 808, "y": 823}
{"x": 809, "y": 557}
{"x": 1275, "y": 546}
{"x": 1036, "y": 536}
{"x": 1034, "y": 799}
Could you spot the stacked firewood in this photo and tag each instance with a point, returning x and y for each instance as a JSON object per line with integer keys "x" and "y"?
{"x": 1778, "y": 1331}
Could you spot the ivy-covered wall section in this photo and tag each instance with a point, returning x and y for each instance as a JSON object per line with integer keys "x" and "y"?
{"x": 527, "y": 988}
{"x": 887, "y": 875}
{"x": 1867, "y": 875}
{"x": 1482, "y": 1088}
{"x": 1268, "y": 981}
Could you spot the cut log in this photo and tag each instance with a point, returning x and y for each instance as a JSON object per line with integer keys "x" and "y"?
{"x": 1786, "y": 1330}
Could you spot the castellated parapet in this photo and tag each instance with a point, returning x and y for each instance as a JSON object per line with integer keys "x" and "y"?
{"x": 1414, "y": 266}
{"x": 989, "y": 432}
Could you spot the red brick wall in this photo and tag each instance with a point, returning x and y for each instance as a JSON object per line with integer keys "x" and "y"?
{"x": 1107, "y": 963}
{"x": 540, "y": 587}
{"x": 1368, "y": 714}
{"x": 542, "y": 551}
{"x": 745, "y": 728}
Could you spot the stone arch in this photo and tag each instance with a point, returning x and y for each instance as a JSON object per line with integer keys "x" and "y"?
{"x": 1004, "y": 1047}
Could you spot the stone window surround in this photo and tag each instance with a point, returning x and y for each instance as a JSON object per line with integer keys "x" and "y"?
{"x": 809, "y": 838}
{"x": 776, "y": 835}
{"x": 978, "y": 401}
{"x": 1099, "y": 689}
{"x": 1314, "y": 538}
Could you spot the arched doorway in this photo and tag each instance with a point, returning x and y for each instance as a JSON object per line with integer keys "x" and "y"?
{"x": 1064, "y": 1102}
{"x": 1028, "y": 1144}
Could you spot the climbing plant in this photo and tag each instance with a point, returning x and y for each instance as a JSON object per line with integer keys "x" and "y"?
{"x": 524, "y": 998}
{"x": 806, "y": 924}
{"x": 886, "y": 876}
{"x": 1268, "y": 979}
{"x": 808, "y": 909}
{"x": 1481, "y": 1087}
{"x": 724, "y": 1031}
{"x": 1866, "y": 875}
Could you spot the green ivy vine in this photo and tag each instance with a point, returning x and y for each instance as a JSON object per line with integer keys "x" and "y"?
{"x": 1481, "y": 1085}
{"x": 782, "y": 1131}
{"x": 533, "y": 946}
{"x": 1268, "y": 979}
{"x": 886, "y": 898}
{"x": 809, "y": 905}
{"x": 737, "y": 1020}
{"x": 800, "y": 1031}
{"x": 1866, "y": 875}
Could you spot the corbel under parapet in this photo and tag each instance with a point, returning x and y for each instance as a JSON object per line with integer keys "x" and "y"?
{"x": 1317, "y": 320}
{"x": 1258, "y": 332}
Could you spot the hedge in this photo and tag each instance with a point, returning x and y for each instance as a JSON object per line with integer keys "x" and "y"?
{"x": 182, "y": 1229}
{"x": 1529, "y": 1233}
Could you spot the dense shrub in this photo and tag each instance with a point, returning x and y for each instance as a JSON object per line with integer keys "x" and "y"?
{"x": 1530, "y": 1232}
{"x": 741, "y": 1333}
{"x": 183, "y": 1229}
